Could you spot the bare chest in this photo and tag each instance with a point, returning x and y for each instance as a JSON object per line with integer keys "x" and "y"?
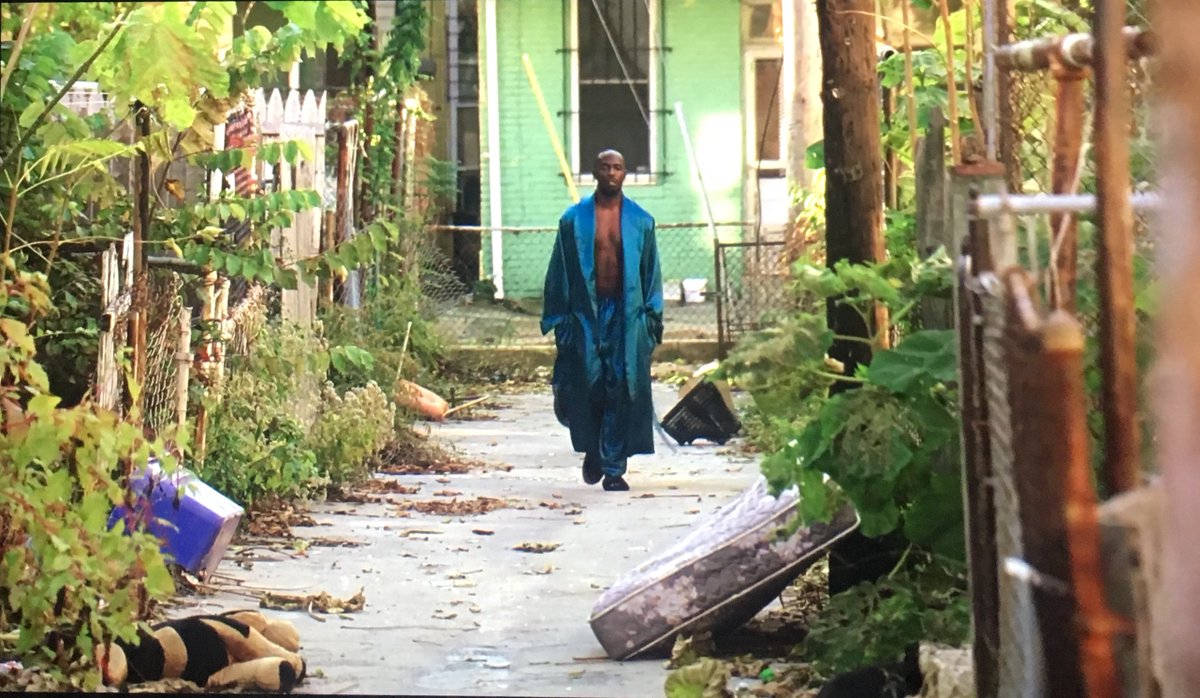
{"x": 608, "y": 251}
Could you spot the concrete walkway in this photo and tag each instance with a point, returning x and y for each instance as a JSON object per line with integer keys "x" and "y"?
{"x": 451, "y": 607}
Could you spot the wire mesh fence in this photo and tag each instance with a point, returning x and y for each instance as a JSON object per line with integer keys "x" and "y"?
{"x": 701, "y": 276}
{"x": 1032, "y": 98}
{"x": 1002, "y": 317}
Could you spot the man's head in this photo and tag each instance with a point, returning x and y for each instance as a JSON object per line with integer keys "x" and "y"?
{"x": 609, "y": 172}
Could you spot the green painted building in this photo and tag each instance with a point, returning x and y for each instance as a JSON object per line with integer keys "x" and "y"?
{"x": 611, "y": 72}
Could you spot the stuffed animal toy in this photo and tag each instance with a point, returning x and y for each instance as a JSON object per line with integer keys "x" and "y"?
{"x": 239, "y": 648}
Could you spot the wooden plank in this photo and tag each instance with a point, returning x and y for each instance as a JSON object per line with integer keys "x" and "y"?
{"x": 933, "y": 229}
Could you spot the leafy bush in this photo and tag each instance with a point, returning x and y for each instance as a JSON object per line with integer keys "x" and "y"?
{"x": 64, "y": 573}
{"x": 256, "y": 433}
{"x": 891, "y": 447}
{"x": 873, "y": 623}
{"x": 349, "y": 430}
{"x": 276, "y": 434}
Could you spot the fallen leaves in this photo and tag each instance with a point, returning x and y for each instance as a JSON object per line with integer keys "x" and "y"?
{"x": 375, "y": 490}
{"x": 482, "y": 531}
{"x": 447, "y": 493}
{"x": 275, "y": 520}
{"x": 323, "y": 602}
{"x": 536, "y": 547}
{"x": 454, "y": 507}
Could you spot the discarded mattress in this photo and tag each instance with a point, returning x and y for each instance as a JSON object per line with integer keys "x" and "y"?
{"x": 726, "y": 569}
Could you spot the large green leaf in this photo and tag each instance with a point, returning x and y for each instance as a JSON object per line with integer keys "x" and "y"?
{"x": 922, "y": 359}
{"x": 165, "y": 63}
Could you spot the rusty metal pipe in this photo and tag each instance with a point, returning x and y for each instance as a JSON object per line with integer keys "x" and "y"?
{"x": 1072, "y": 50}
{"x": 1114, "y": 262}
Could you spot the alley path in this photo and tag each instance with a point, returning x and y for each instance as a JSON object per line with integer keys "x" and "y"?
{"x": 454, "y": 612}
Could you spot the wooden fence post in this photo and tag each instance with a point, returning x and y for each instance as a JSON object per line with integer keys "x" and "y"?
{"x": 933, "y": 229}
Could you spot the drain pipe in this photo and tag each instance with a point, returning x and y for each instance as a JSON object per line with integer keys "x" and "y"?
{"x": 492, "y": 92}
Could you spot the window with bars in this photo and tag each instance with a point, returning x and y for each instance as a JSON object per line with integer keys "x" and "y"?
{"x": 613, "y": 64}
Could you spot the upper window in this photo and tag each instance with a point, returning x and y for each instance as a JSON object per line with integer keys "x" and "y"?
{"x": 613, "y": 80}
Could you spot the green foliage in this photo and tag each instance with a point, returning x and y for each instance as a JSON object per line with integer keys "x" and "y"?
{"x": 255, "y": 444}
{"x": 874, "y": 623}
{"x": 890, "y": 447}
{"x": 62, "y": 570}
{"x": 704, "y": 678}
{"x": 379, "y": 328}
{"x": 281, "y": 431}
{"x": 349, "y": 430}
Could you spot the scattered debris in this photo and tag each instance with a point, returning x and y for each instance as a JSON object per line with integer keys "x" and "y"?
{"x": 274, "y": 520}
{"x": 419, "y": 531}
{"x": 374, "y": 490}
{"x": 325, "y": 542}
{"x": 544, "y": 570}
{"x": 482, "y": 531}
{"x": 455, "y": 507}
{"x": 447, "y": 493}
{"x": 536, "y": 547}
{"x": 439, "y": 614}
{"x": 322, "y": 602}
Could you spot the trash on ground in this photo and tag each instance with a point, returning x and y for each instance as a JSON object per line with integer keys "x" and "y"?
{"x": 423, "y": 401}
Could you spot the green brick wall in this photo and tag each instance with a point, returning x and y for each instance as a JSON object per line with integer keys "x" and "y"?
{"x": 702, "y": 68}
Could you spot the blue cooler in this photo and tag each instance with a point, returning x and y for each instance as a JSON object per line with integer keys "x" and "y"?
{"x": 194, "y": 522}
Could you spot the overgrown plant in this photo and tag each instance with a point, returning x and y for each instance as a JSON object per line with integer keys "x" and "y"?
{"x": 891, "y": 446}
{"x": 69, "y": 582}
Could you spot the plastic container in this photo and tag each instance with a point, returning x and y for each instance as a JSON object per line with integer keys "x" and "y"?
{"x": 704, "y": 411}
{"x": 194, "y": 522}
{"x": 694, "y": 289}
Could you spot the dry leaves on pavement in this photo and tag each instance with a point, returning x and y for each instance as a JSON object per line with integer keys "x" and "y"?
{"x": 323, "y": 602}
{"x": 536, "y": 547}
{"x": 454, "y": 507}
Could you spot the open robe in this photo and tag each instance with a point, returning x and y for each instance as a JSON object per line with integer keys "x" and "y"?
{"x": 569, "y": 308}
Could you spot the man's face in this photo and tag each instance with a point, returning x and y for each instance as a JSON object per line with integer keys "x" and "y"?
{"x": 609, "y": 172}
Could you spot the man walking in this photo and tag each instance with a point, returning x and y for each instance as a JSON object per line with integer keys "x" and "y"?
{"x": 603, "y": 299}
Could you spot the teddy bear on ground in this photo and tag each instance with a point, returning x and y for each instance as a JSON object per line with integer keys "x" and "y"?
{"x": 245, "y": 649}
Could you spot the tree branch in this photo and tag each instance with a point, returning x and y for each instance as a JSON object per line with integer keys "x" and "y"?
{"x": 67, "y": 86}
{"x": 18, "y": 45}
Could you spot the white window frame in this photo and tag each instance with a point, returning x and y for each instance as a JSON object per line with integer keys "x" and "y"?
{"x": 750, "y": 55}
{"x": 652, "y": 65}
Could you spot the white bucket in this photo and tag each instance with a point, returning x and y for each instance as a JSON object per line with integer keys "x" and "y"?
{"x": 693, "y": 290}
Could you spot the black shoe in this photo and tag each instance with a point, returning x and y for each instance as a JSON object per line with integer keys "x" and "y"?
{"x": 615, "y": 483}
{"x": 591, "y": 469}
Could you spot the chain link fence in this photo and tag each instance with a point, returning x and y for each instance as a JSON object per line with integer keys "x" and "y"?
{"x": 1001, "y": 326}
{"x": 711, "y": 289}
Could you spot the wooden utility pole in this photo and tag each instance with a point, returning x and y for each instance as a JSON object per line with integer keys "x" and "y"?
{"x": 853, "y": 220}
{"x": 1176, "y": 390}
{"x": 853, "y": 158}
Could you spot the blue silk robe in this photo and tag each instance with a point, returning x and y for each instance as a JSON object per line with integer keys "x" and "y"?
{"x": 569, "y": 308}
